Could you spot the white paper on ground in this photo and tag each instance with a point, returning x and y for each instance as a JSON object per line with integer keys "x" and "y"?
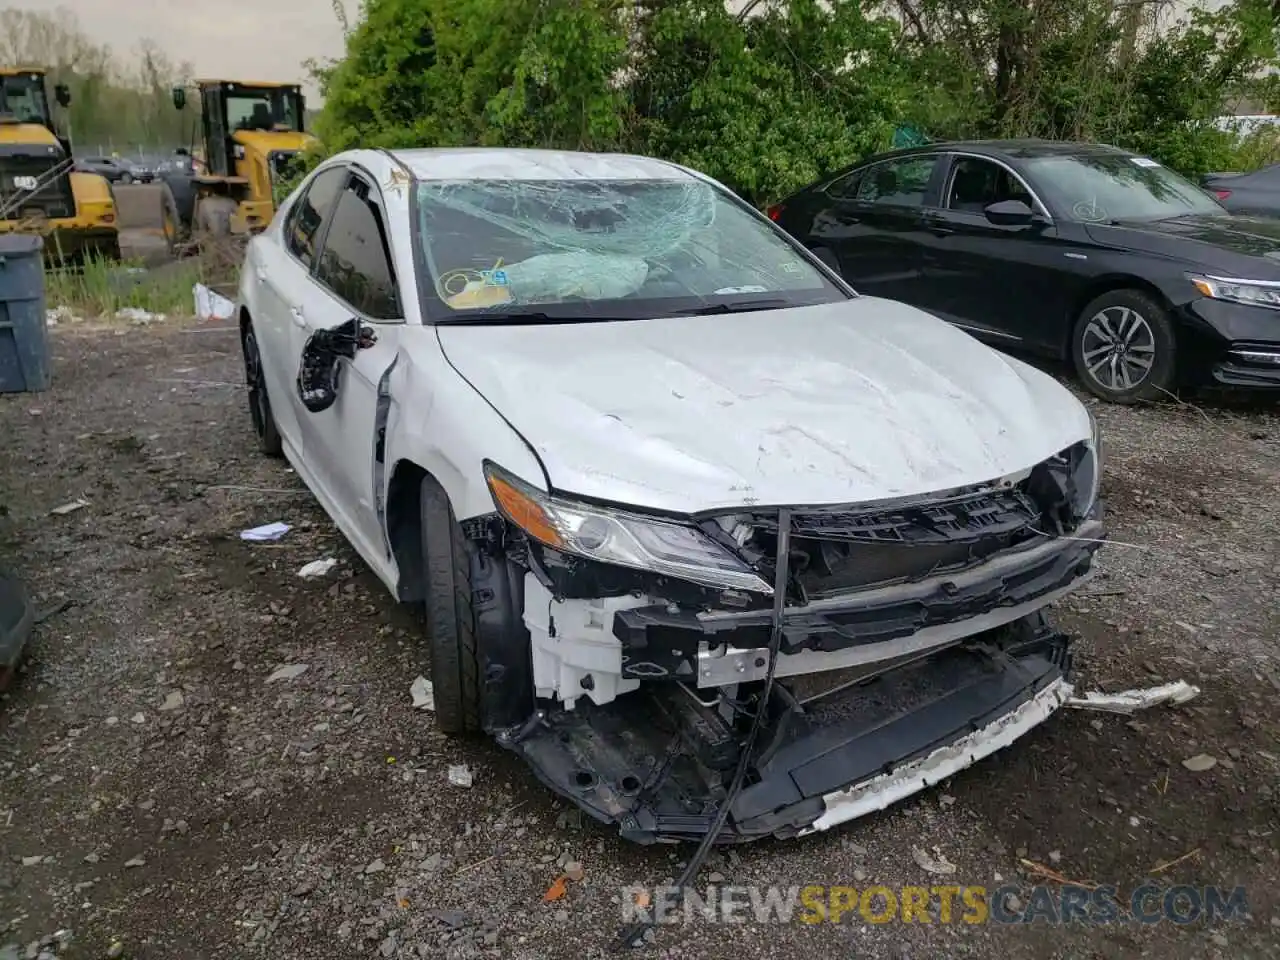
{"x": 265, "y": 533}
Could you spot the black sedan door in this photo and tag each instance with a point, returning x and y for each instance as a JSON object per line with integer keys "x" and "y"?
{"x": 1007, "y": 284}
{"x": 870, "y": 223}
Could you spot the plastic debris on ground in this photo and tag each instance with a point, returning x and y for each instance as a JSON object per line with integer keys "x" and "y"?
{"x": 266, "y": 533}
{"x": 71, "y": 507}
{"x": 424, "y": 697}
{"x": 557, "y": 889}
{"x": 317, "y": 568}
{"x": 140, "y": 316}
{"x": 933, "y": 864}
{"x": 460, "y": 775}
{"x": 211, "y": 305}
{"x": 1128, "y": 702}
{"x": 291, "y": 671}
{"x": 61, "y": 314}
{"x": 1200, "y": 763}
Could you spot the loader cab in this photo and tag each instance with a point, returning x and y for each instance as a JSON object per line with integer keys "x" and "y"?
{"x": 24, "y": 101}
{"x": 33, "y": 157}
{"x": 229, "y": 108}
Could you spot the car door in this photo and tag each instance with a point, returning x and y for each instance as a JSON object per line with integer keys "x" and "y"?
{"x": 281, "y": 271}
{"x": 872, "y": 224}
{"x": 354, "y": 279}
{"x": 1006, "y": 284}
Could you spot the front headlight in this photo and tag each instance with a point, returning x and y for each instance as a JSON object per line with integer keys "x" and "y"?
{"x": 618, "y": 537}
{"x": 1256, "y": 293}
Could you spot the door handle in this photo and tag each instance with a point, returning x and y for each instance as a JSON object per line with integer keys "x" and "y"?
{"x": 938, "y": 227}
{"x": 298, "y": 319}
{"x": 262, "y": 273}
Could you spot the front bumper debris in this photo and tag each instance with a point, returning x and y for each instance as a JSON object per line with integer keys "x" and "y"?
{"x": 872, "y": 625}
{"x": 657, "y": 762}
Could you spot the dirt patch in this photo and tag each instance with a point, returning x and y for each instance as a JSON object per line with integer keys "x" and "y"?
{"x": 157, "y": 788}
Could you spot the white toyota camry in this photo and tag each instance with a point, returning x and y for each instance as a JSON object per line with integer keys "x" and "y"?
{"x": 713, "y": 542}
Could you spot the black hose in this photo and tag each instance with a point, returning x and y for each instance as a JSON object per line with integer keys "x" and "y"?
{"x": 633, "y": 936}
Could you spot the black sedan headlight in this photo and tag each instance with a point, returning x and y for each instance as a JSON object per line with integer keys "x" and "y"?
{"x": 1255, "y": 293}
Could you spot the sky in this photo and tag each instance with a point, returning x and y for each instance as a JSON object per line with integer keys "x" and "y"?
{"x": 235, "y": 39}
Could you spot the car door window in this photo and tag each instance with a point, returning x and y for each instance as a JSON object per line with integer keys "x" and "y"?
{"x": 977, "y": 183}
{"x": 845, "y": 187}
{"x": 302, "y": 229}
{"x": 899, "y": 183}
{"x": 356, "y": 261}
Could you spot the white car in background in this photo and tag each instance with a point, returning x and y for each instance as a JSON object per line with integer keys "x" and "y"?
{"x": 682, "y": 508}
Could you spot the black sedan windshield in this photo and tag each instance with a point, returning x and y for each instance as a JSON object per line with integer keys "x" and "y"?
{"x": 1100, "y": 188}
{"x": 603, "y": 249}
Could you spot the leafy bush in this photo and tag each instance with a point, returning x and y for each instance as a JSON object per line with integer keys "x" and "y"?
{"x": 793, "y": 89}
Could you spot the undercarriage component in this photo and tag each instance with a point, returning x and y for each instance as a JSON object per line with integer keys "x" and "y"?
{"x": 633, "y": 763}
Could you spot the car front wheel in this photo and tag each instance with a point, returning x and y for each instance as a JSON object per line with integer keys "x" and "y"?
{"x": 1125, "y": 348}
{"x": 264, "y": 422}
{"x": 450, "y": 615}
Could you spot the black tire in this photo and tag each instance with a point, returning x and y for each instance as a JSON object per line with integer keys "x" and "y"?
{"x": 176, "y": 231}
{"x": 213, "y": 216}
{"x": 449, "y": 615}
{"x": 264, "y": 421}
{"x": 1140, "y": 330}
{"x": 126, "y": 179}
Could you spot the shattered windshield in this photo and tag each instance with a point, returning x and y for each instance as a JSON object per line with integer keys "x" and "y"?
{"x": 603, "y": 249}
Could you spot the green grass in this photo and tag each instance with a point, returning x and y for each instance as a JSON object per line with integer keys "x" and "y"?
{"x": 101, "y": 288}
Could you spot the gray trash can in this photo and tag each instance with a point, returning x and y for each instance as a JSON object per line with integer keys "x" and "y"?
{"x": 24, "y": 342}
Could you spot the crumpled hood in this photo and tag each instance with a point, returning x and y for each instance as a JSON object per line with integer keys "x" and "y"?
{"x": 840, "y": 403}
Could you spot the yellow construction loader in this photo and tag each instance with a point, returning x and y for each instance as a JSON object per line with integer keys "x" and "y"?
{"x": 251, "y": 134}
{"x": 40, "y": 192}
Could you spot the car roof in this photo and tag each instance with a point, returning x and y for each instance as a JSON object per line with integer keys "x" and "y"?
{"x": 1016, "y": 149}
{"x": 500, "y": 163}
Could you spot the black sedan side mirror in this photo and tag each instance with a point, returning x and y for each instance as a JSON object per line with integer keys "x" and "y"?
{"x": 1009, "y": 213}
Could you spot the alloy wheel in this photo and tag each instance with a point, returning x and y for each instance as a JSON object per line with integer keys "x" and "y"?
{"x": 1118, "y": 347}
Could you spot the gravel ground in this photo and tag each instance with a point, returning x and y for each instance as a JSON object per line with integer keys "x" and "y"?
{"x": 161, "y": 795}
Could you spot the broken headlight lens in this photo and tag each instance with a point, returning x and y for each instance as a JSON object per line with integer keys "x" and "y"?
{"x": 1088, "y": 470}
{"x": 1255, "y": 293}
{"x": 618, "y": 537}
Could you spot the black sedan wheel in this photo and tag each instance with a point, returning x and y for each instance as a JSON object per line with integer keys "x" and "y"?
{"x": 1124, "y": 348}
{"x": 264, "y": 423}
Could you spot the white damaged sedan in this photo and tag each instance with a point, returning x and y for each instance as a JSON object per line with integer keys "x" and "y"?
{"x": 711, "y": 541}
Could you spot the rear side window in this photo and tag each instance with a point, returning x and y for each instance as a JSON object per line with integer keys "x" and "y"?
{"x": 356, "y": 261}
{"x": 899, "y": 183}
{"x": 309, "y": 212}
{"x": 846, "y": 187}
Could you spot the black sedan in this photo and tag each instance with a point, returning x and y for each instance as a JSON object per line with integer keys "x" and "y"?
{"x": 1069, "y": 250}
{"x": 116, "y": 171}
{"x": 1256, "y": 193}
